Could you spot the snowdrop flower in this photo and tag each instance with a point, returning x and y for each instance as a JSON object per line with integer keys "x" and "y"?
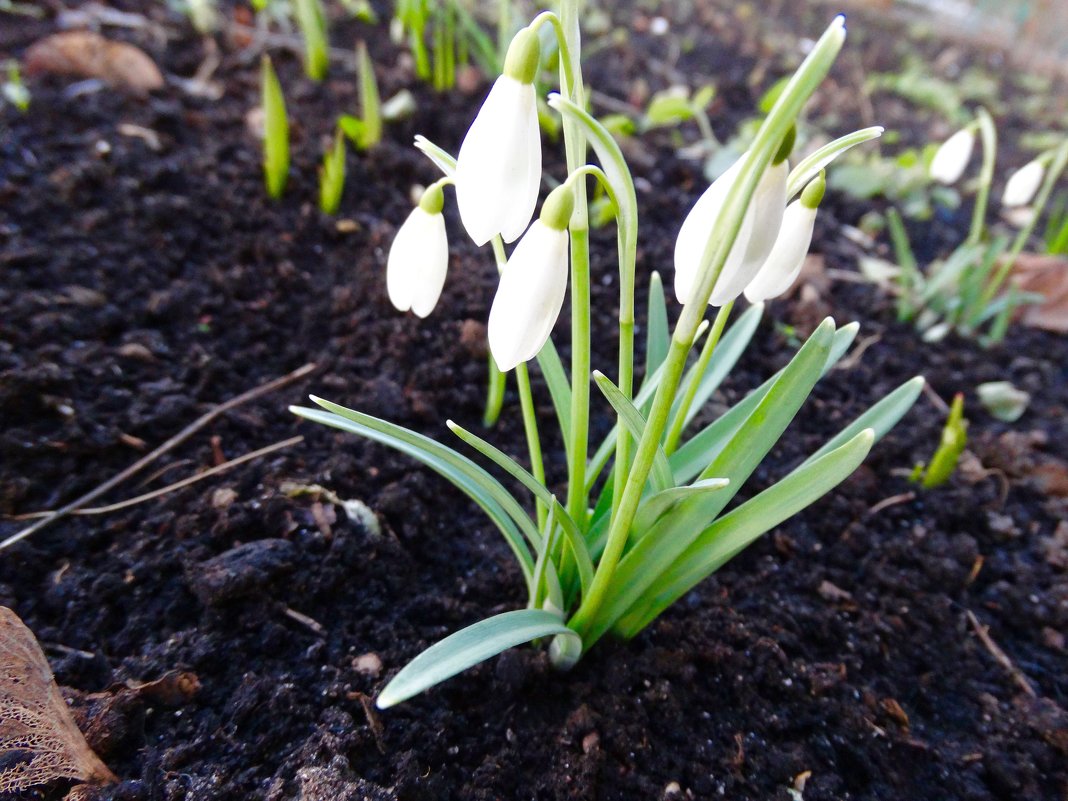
{"x": 1022, "y": 185}
{"x": 533, "y": 284}
{"x": 787, "y": 255}
{"x": 498, "y": 170}
{"x": 419, "y": 256}
{"x": 952, "y": 157}
{"x": 760, "y": 226}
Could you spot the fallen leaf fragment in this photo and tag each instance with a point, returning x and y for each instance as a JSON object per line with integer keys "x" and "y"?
{"x": 85, "y": 54}
{"x": 173, "y": 688}
{"x": 39, "y": 741}
{"x": 1048, "y": 276}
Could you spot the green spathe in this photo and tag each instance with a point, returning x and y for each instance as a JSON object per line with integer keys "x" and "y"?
{"x": 521, "y": 63}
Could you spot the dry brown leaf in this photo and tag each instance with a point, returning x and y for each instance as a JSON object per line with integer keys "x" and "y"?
{"x": 1048, "y": 276}
{"x": 85, "y": 54}
{"x": 39, "y": 741}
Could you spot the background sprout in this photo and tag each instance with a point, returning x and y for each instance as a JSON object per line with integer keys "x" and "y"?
{"x": 312, "y": 21}
{"x": 950, "y": 447}
{"x": 275, "y": 131}
{"x": 13, "y": 90}
{"x": 365, "y": 131}
{"x": 332, "y": 176}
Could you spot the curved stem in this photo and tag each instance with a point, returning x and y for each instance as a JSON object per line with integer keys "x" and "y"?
{"x": 989, "y": 137}
{"x": 530, "y": 428}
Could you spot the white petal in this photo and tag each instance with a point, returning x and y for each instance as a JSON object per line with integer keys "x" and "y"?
{"x": 787, "y": 256}
{"x": 768, "y": 204}
{"x": 529, "y": 297}
{"x": 952, "y": 157}
{"x": 418, "y": 261}
{"x": 696, "y": 228}
{"x": 498, "y": 169}
{"x": 1022, "y": 185}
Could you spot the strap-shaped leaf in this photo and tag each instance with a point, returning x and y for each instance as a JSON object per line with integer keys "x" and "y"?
{"x": 730, "y": 348}
{"x": 655, "y": 552}
{"x": 692, "y": 457}
{"x": 654, "y": 507}
{"x": 657, "y": 335}
{"x": 808, "y": 168}
{"x": 571, "y": 533}
{"x": 635, "y": 423}
{"x": 880, "y": 418}
{"x": 729, "y": 535}
{"x": 469, "y": 646}
{"x": 559, "y": 388}
{"x": 479, "y": 485}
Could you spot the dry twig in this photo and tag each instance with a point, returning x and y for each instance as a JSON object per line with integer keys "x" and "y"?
{"x": 1002, "y": 658}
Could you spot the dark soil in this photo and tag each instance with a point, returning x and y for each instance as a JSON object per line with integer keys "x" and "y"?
{"x": 141, "y": 286}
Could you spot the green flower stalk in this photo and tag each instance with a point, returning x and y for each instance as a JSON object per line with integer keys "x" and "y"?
{"x": 649, "y": 515}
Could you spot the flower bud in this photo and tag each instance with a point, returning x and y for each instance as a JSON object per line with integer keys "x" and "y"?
{"x": 1022, "y": 185}
{"x": 419, "y": 257}
{"x": 787, "y": 256}
{"x": 952, "y": 157}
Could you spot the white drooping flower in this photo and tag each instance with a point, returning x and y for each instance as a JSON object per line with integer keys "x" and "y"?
{"x": 498, "y": 169}
{"x": 533, "y": 284}
{"x": 755, "y": 238}
{"x": 697, "y": 227}
{"x": 787, "y": 255}
{"x": 952, "y": 157}
{"x": 419, "y": 257}
{"x": 1022, "y": 185}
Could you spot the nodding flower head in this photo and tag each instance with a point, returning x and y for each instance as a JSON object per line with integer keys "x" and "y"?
{"x": 1022, "y": 185}
{"x": 498, "y": 169}
{"x": 419, "y": 257}
{"x": 952, "y": 157}
{"x": 533, "y": 284}
{"x": 787, "y": 255}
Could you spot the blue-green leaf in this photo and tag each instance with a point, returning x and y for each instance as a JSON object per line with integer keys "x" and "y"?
{"x": 469, "y": 646}
{"x": 635, "y": 423}
{"x": 657, "y": 337}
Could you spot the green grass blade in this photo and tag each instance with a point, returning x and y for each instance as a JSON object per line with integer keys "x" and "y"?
{"x": 661, "y": 473}
{"x": 880, "y": 418}
{"x": 475, "y": 482}
{"x": 370, "y": 100}
{"x": 467, "y": 647}
{"x": 559, "y": 389}
{"x": 442, "y": 159}
{"x": 312, "y": 22}
{"x": 657, "y": 335}
{"x": 729, "y": 535}
{"x": 332, "y": 176}
{"x": 690, "y": 459}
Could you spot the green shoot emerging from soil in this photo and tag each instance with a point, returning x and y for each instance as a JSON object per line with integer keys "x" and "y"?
{"x": 312, "y": 21}
{"x": 646, "y": 516}
{"x": 950, "y": 447}
{"x": 275, "y": 131}
{"x": 365, "y": 131}
{"x": 969, "y": 290}
{"x": 332, "y": 176}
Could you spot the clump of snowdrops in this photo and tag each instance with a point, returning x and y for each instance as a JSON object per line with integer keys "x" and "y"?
{"x": 969, "y": 291}
{"x": 645, "y": 517}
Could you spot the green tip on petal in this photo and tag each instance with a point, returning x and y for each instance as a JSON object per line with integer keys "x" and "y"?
{"x": 433, "y": 200}
{"x": 521, "y": 63}
{"x": 787, "y": 146}
{"x": 813, "y": 194}
{"x": 558, "y": 206}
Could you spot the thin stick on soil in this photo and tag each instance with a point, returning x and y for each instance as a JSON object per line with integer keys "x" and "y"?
{"x": 1002, "y": 658}
{"x": 185, "y": 482}
{"x": 170, "y": 444}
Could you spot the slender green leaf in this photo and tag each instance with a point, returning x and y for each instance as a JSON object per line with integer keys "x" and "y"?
{"x": 661, "y": 473}
{"x": 690, "y": 459}
{"x": 469, "y": 646}
{"x": 655, "y": 506}
{"x": 559, "y": 389}
{"x": 479, "y": 485}
{"x": 332, "y": 176}
{"x": 370, "y": 101}
{"x": 658, "y": 336}
{"x": 312, "y": 22}
{"x": 732, "y": 533}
